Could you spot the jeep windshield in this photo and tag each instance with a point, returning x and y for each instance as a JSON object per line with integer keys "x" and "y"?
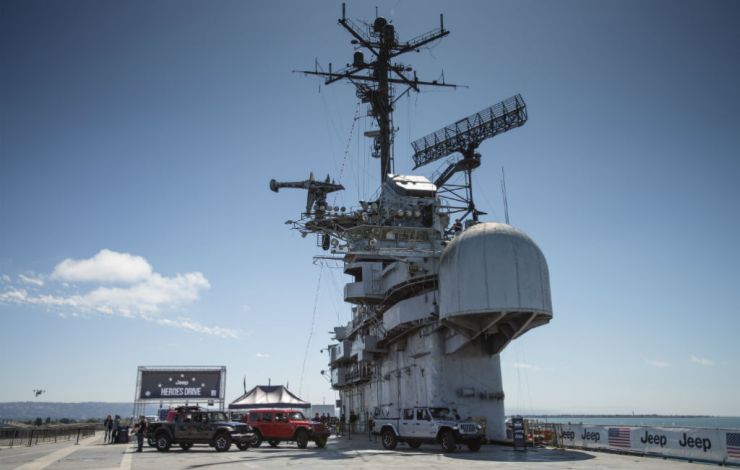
{"x": 215, "y": 417}
{"x": 440, "y": 413}
{"x": 296, "y": 416}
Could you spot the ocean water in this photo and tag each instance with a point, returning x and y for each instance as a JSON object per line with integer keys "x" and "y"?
{"x": 712, "y": 422}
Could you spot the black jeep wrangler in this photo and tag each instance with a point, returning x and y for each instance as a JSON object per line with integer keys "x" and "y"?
{"x": 190, "y": 427}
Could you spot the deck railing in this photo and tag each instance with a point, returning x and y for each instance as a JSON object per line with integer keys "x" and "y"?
{"x": 29, "y": 436}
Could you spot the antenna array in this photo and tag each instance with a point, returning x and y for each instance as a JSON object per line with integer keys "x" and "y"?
{"x": 466, "y": 134}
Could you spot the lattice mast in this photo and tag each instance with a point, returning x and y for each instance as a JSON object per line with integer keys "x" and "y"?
{"x": 374, "y": 79}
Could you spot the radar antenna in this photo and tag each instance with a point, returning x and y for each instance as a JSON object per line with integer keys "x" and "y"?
{"x": 376, "y": 87}
{"x": 464, "y": 136}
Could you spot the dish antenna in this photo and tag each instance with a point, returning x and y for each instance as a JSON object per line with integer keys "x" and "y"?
{"x": 464, "y": 136}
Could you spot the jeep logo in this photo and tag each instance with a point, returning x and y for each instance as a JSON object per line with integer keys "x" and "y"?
{"x": 657, "y": 439}
{"x": 568, "y": 435}
{"x": 695, "y": 443}
{"x": 591, "y": 436}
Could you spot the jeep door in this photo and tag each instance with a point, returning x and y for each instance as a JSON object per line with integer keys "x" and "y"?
{"x": 201, "y": 428}
{"x": 182, "y": 428}
{"x": 266, "y": 426}
{"x": 407, "y": 424}
{"x": 425, "y": 428}
{"x": 282, "y": 428}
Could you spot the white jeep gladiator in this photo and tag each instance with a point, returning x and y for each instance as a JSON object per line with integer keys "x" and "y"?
{"x": 428, "y": 425}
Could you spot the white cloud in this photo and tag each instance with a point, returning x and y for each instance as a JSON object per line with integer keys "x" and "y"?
{"x": 188, "y": 324}
{"x": 36, "y": 281}
{"x": 524, "y": 365}
{"x": 659, "y": 364}
{"x": 105, "y": 267}
{"x": 143, "y": 293}
{"x": 262, "y": 355}
{"x": 5, "y": 278}
{"x": 13, "y": 295}
{"x": 152, "y": 296}
{"x": 702, "y": 361}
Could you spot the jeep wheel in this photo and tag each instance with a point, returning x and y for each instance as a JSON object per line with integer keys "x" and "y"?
{"x": 244, "y": 445}
{"x": 389, "y": 439}
{"x": 163, "y": 442}
{"x": 447, "y": 441}
{"x": 186, "y": 446}
{"x": 474, "y": 446}
{"x": 321, "y": 441}
{"x": 414, "y": 444}
{"x": 273, "y": 443}
{"x": 301, "y": 438}
{"x": 222, "y": 443}
{"x": 257, "y": 439}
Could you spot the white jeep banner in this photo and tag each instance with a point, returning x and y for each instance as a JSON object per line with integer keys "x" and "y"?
{"x": 713, "y": 445}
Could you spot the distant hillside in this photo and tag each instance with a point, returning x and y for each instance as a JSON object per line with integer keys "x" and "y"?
{"x": 25, "y": 410}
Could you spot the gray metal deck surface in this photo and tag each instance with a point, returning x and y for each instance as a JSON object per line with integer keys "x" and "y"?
{"x": 339, "y": 454}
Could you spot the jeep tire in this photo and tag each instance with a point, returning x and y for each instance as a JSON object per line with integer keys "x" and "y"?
{"x": 447, "y": 441}
{"x": 321, "y": 441}
{"x": 163, "y": 442}
{"x": 243, "y": 445}
{"x": 414, "y": 444}
{"x": 222, "y": 442}
{"x": 273, "y": 443}
{"x": 185, "y": 445}
{"x": 257, "y": 439}
{"x": 301, "y": 438}
{"x": 474, "y": 446}
{"x": 388, "y": 438}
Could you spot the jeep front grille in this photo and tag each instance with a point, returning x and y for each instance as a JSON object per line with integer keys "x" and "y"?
{"x": 469, "y": 427}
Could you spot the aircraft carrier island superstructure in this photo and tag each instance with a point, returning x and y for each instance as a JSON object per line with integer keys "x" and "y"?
{"x": 436, "y": 293}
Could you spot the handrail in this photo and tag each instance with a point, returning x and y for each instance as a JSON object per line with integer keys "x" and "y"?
{"x": 29, "y": 436}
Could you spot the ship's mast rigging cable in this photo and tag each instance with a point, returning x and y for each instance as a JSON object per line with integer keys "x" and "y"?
{"x": 346, "y": 147}
{"x": 313, "y": 324}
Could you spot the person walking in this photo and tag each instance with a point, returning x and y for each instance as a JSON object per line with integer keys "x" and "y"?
{"x": 108, "y": 428}
{"x": 140, "y": 433}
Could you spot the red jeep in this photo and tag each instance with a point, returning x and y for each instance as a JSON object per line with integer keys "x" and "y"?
{"x": 276, "y": 425}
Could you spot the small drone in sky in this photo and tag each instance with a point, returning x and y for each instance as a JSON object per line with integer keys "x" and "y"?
{"x": 36, "y": 393}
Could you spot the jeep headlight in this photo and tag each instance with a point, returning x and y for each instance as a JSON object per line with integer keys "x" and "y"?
{"x": 480, "y": 428}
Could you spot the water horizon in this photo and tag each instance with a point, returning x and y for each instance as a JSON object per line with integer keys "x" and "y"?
{"x": 669, "y": 421}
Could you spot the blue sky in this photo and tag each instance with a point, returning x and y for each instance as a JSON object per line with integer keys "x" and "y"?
{"x": 137, "y": 228}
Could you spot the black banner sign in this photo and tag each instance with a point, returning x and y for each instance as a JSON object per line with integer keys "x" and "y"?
{"x": 180, "y": 384}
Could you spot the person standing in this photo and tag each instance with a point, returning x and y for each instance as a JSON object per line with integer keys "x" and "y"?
{"x": 108, "y": 428}
{"x": 114, "y": 433}
{"x": 140, "y": 433}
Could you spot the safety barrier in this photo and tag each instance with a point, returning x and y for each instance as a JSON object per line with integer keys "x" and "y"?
{"x": 14, "y": 437}
{"x": 708, "y": 445}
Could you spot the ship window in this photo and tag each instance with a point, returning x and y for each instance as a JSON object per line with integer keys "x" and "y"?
{"x": 421, "y": 414}
{"x": 408, "y": 413}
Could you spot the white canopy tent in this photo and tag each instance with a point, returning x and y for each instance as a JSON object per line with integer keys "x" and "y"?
{"x": 268, "y": 396}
